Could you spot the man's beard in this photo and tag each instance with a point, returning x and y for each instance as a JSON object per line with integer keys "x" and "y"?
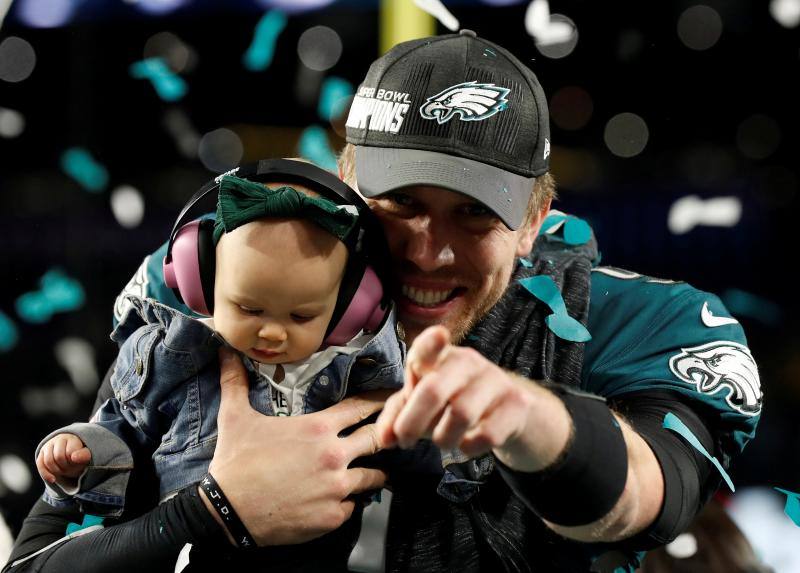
{"x": 464, "y": 324}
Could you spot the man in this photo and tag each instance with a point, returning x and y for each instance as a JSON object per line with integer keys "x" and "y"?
{"x": 545, "y": 382}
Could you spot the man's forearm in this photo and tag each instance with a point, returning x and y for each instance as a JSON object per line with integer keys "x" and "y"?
{"x": 639, "y": 504}
{"x": 547, "y": 438}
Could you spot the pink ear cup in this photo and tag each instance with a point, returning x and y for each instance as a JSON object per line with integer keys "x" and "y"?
{"x": 364, "y": 311}
{"x": 183, "y": 272}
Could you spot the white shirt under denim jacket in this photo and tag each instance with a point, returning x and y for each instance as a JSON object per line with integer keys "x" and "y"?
{"x": 167, "y": 395}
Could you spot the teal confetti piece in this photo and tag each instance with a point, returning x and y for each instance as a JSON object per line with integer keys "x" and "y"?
{"x": 88, "y": 521}
{"x": 58, "y": 293}
{"x": 551, "y": 221}
{"x": 314, "y": 146}
{"x": 473, "y": 337}
{"x": 525, "y": 263}
{"x": 8, "y": 333}
{"x": 560, "y": 323}
{"x": 333, "y": 98}
{"x": 577, "y": 231}
{"x": 792, "y": 507}
{"x": 167, "y": 84}
{"x": 672, "y": 422}
{"x": 33, "y": 307}
{"x": 62, "y": 292}
{"x": 79, "y": 164}
{"x": 261, "y": 51}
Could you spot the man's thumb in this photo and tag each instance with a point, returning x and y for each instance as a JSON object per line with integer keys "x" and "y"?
{"x": 233, "y": 387}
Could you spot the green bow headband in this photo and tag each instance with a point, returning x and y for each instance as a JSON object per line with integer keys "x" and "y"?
{"x": 241, "y": 201}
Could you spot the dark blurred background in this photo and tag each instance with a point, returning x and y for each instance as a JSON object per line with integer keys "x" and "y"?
{"x": 674, "y": 129}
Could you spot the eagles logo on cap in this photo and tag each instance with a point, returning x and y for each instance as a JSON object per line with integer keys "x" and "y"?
{"x": 471, "y": 100}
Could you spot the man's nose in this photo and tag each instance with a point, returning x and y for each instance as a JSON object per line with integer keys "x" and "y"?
{"x": 427, "y": 246}
{"x": 273, "y": 331}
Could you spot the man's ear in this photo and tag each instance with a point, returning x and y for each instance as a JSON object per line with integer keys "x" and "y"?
{"x": 528, "y": 235}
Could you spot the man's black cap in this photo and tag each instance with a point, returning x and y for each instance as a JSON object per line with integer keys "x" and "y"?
{"x": 453, "y": 111}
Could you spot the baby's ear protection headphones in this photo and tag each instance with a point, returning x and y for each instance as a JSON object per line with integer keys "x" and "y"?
{"x": 190, "y": 263}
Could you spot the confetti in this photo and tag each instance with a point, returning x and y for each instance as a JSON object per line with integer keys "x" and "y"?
{"x": 672, "y": 422}
{"x": 792, "y": 507}
{"x": 436, "y": 9}
{"x": 8, "y": 333}
{"x": 58, "y": 293}
{"x": 334, "y": 98}
{"x": 543, "y": 28}
{"x": 577, "y": 231}
{"x": 691, "y": 211}
{"x": 560, "y": 323}
{"x": 258, "y": 56}
{"x": 167, "y": 84}
{"x": 79, "y": 164}
{"x": 315, "y": 147}
{"x": 574, "y": 231}
{"x": 88, "y": 521}
{"x": 14, "y": 473}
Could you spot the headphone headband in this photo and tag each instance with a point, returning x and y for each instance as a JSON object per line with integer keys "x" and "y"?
{"x": 283, "y": 170}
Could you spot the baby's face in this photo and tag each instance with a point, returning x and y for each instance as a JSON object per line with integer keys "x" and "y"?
{"x": 276, "y": 286}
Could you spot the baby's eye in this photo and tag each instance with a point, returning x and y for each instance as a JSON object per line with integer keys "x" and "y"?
{"x": 302, "y": 318}
{"x": 250, "y": 311}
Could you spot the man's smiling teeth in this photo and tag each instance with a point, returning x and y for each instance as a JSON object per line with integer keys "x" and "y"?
{"x": 425, "y": 297}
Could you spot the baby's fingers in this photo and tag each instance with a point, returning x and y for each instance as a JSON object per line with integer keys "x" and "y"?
{"x": 43, "y": 471}
{"x": 48, "y": 459}
{"x": 81, "y": 457}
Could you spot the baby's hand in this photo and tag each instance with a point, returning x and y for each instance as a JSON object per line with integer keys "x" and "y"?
{"x": 63, "y": 457}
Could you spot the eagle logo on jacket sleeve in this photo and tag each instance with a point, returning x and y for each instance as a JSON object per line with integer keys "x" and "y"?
{"x": 471, "y": 101}
{"x": 718, "y": 366}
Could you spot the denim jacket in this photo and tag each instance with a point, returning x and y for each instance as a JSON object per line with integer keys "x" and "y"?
{"x": 167, "y": 395}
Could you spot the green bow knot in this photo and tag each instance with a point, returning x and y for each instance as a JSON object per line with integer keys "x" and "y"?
{"x": 241, "y": 201}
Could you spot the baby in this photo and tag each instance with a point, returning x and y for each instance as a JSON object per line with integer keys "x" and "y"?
{"x": 280, "y": 261}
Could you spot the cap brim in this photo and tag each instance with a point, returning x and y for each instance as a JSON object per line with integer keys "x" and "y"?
{"x": 380, "y": 170}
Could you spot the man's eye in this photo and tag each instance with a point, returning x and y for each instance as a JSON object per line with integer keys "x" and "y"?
{"x": 477, "y": 210}
{"x": 250, "y": 311}
{"x": 301, "y": 318}
{"x": 400, "y": 199}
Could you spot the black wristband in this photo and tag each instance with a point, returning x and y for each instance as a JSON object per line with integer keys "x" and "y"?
{"x": 589, "y": 477}
{"x": 225, "y": 510}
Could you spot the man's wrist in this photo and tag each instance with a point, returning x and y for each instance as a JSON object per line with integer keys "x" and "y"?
{"x": 588, "y": 478}
{"x": 212, "y": 510}
{"x": 545, "y": 437}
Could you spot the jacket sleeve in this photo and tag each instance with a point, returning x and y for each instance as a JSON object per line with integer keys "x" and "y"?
{"x": 100, "y": 489}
